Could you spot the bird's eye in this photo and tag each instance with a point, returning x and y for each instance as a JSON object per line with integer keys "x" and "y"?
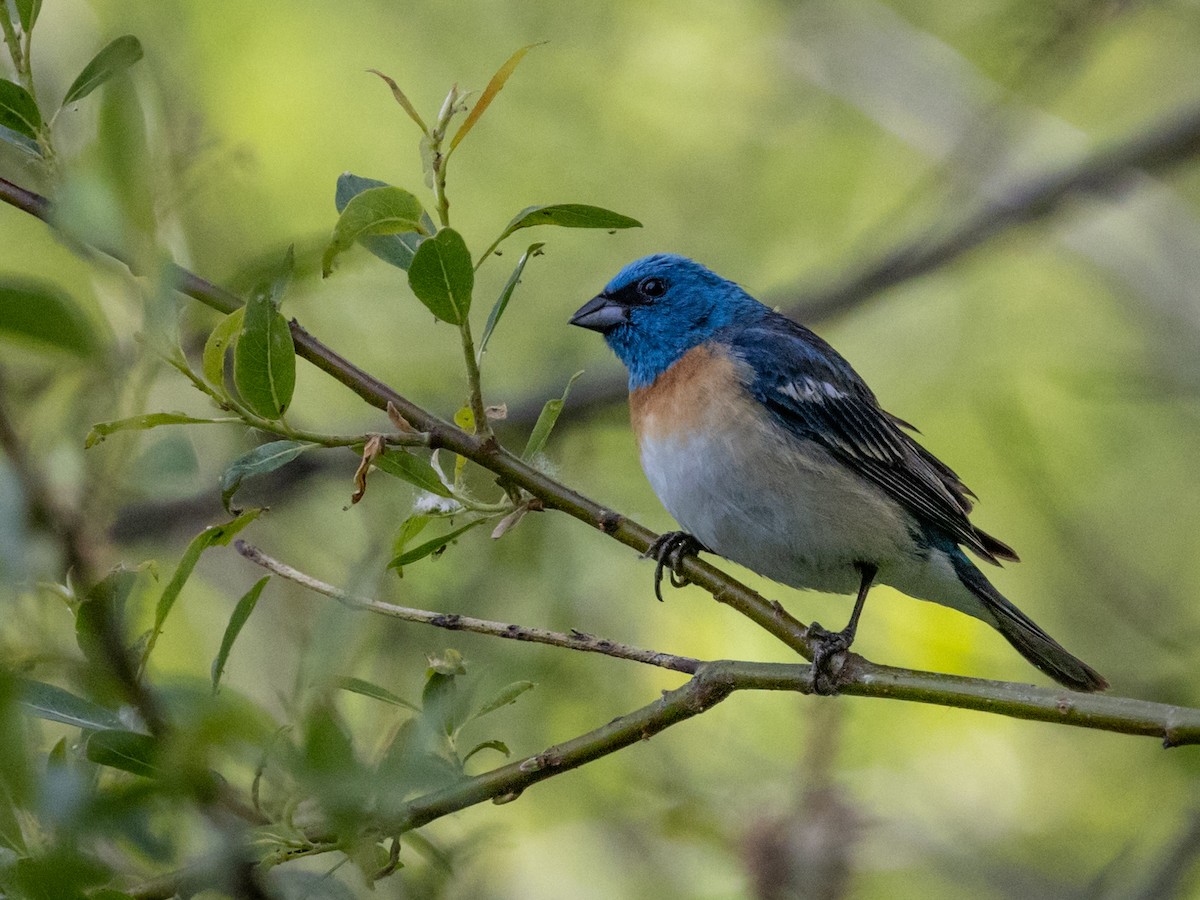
{"x": 652, "y": 287}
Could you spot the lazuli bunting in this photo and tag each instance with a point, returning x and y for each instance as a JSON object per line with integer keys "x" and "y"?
{"x": 771, "y": 451}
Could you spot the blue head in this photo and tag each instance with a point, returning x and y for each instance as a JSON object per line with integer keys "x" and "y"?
{"x": 660, "y": 307}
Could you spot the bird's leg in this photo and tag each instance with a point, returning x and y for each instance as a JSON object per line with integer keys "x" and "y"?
{"x": 828, "y": 644}
{"x": 668, "y": 550}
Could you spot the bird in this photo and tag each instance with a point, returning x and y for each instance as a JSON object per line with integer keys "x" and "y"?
{"x": 770, "y": 450}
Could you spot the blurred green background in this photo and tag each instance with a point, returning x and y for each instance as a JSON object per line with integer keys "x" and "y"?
{"x": 787, "y": 146}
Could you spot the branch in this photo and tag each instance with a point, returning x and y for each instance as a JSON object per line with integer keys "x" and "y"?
{"x": 576, "y": 640}
{"x": 714, "y": 681}
{"x": 1174, "y": 725}
{"x": 1159, "y": 147}
{"x": 483, "y": 450}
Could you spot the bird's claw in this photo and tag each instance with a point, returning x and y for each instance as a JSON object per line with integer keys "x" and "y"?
{"x": 668, "y": 551}
{"x": 828, "y": 648}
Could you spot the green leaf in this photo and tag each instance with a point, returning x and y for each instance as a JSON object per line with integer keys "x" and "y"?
{"x": 241, "y": 613}
{"x": 40, "y": 312}
{"x": 101, "y": 430}
{"x": 327, "y": 747}
{"x": 442, "y": 276}
{"x": 214, "y": 535}
{"x": 100, "y": 617}
{"x": 504, "y": 697}
{"x": 442, "y": 703}
{"x": 279, "y": 277}
{"x": 57, "y": 872}
{"x": 498, "y": 746}
{"x": 262, "y": 459}
{"x": 464, "y": 419}
{"x": 489, "y": 94}
{"x": 20, "y": 141}
{"x": 411, "y": 527}
{"x": 109, "y": 62}
{"x": 128, "y": 751}
{"x": 546, "y": 421}
{"x": 394, "y": 249}
{"x": 430, "y": 547}
{"x": 264, "y": 360}
{"x": 412, "y": 469}
{"x": 506, "y": 295}
{"x": 18, "y": 111}
{"x": 169, "y": 459}
{"x": 421, "y": 759}
{"x": 126, "y": 166}
{"x": 218, "y": 343}
{"x": 374, "y": 691}
{"x": 367, "y": 856}
{"x": 17, "y": 788}
{"x": 56, "y": 705}
{"x": 27, "y": 13}
{"x": 375, "y": 211}
{"x": 57, "y": 757}
{"x": 448, "y": 662}
{"x": 404, "y": 102}
{"x": 569, "y": 215}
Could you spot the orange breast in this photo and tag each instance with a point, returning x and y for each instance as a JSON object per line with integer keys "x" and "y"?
{"x": 703, "y": 389}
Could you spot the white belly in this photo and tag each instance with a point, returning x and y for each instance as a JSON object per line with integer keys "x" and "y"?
{"x": 783, "y": 508}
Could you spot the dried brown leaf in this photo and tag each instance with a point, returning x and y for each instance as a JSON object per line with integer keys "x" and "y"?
{"x": 371, "y": 451}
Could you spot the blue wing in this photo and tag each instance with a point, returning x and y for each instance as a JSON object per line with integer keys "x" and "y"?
{"x": 810, "y": 389}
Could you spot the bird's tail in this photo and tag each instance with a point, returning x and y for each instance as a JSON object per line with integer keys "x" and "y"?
{"x": 1028, "y": 639}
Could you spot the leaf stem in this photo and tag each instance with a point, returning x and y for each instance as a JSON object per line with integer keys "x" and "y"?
{"x": 439, "y": 162}
{"x": 439, "y": 182}
{"x": 282, "y": 428}
{"x": 491, "y": 249}
{"x": 14, "y": 48}
{"x": 474, "y": 382}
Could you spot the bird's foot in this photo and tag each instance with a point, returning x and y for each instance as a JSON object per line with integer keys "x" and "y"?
{"x": 829, "y": 649}
{"x": 669, "y": 550}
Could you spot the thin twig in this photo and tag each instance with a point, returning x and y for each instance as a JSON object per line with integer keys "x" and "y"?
{"x": 575, "y": 640}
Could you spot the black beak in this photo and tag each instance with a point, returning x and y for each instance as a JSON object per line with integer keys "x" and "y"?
{"x": 601, "y": 314}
